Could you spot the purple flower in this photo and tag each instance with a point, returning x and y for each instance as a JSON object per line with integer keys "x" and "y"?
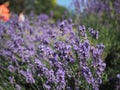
{"x": 28, "y": 76}
{"x": 11, "y": 68}
{"x": 47, "y": 87}
{"x": 93, "y": 33}
{"x": 12, "y": 80}
{"x": 84, "y": 49}
{"x": 60, "y": 76}
{"x": 100, "y": 67}
{"x": 18, "y": 87}
{"x": 87, "y": 74}
{"x": 118, "y": 76}
{"x": 82, "y": 30}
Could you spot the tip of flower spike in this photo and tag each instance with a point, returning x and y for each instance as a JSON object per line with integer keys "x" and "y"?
{"x": 62, "y": 24}
{"x": 101, "y": 46}
{"x": 82, "y": 27}
{"x": 70, "y": 21}
{"x": 93, "y": 32}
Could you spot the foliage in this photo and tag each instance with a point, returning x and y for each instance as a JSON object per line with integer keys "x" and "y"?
{"x": 38, "y": 6}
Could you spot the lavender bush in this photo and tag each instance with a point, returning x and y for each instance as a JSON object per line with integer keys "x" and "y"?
{"x": 40, "y": 55}
{"x": 104, "y": 15}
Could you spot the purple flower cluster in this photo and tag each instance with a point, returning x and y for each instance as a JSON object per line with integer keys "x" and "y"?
{"x": 110, "y": 8}
{"x": 28, "y": 76}
{"x": 48, "y": 55}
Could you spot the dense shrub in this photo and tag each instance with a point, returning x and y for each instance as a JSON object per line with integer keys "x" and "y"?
{"x": 103, "y": 15}
{"x": 40, "y": 55}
